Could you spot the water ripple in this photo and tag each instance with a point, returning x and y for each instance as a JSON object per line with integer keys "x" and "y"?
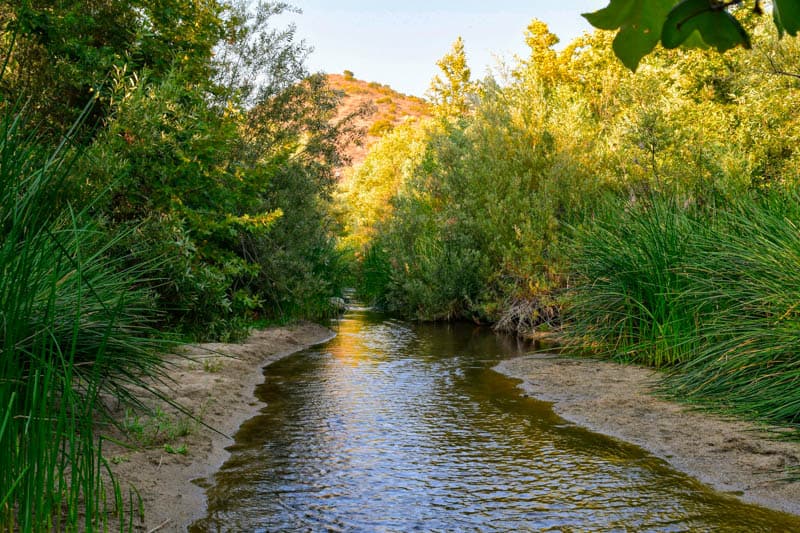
{"x": 390, "y": 427}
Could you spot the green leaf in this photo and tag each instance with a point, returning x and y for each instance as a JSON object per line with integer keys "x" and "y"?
{"x": 639, "y": 24}
{"x": 613, "y": 16}
{"x": 682, "y": 22}
{"x": 717, "y": 27}
{"x": 786, "y": 14}
{"x": 722, "y": 31}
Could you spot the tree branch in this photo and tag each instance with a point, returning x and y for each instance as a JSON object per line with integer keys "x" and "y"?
{"x": 781, "y": 72}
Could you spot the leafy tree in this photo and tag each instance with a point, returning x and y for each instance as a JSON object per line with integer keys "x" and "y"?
{"x": 389, "y": 165}
{"x": 451, "y": 94}
{"x": 544, "y": 59}
{"x": 256, "y": 60}
{"x": 65, "y": 51}
{"x": 208, "y": 142}
{"x": 228, "y": 179}
{"x": 496, "y": 193}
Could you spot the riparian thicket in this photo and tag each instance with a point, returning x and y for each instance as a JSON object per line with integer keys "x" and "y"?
{"x": 649, "y": 217}
{"x": 166, "y": 170}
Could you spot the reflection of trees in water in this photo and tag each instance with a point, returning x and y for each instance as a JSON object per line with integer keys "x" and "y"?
{"x": 395, "y": 426}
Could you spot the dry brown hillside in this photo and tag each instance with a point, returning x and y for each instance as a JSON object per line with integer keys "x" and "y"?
{"x": 387, "y": 109}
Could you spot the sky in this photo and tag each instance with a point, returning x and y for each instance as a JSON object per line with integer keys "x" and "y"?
{"x": 399, "y": 42}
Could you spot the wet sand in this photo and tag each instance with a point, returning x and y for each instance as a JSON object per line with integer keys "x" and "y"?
{"x": 733, "y": 456}
{"x": 216, "y": 383}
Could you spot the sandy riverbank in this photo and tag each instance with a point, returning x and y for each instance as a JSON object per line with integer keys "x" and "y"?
{"x": 617, "y": 400}
{"x": 218, "y": 385}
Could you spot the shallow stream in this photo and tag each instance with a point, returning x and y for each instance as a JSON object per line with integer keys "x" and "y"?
{"x": 399, "y": 427}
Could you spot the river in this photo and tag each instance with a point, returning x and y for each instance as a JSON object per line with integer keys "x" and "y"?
{"x": 393, "y": 426}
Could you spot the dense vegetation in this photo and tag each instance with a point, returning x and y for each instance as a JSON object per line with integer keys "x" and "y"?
{"x": 166, "y": 169}
{"x": 648, "y": 217}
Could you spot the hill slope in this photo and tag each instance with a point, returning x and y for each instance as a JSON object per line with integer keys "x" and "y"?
{"x": 384, "y": 107}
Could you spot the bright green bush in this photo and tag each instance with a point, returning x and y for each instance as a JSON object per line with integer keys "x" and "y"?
{"x": 366, "y": 195}
{"x": 475, "y": 220}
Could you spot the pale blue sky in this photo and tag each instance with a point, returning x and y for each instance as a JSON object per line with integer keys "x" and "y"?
{"x": 398, "y": 42}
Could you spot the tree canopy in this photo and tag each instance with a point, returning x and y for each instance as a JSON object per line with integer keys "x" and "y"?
{"x": 207, "y": 142}
{"x": 450, "y": 95}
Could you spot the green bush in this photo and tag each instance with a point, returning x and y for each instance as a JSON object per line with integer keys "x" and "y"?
{"x": 381, "y": 127}
{"x": 166, "y": 160}
{"x": 436, "y": 274}
{"x": 236, "y": 225}
{"x": 482, "y": 209}
{"x": 374, "y": 275}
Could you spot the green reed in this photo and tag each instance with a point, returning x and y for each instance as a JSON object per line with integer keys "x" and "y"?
{"x": 73, "y": 331}
{"x": 746, "y": 284}
{"x": 629, "y": 267}
{"x": 712, "y": 294}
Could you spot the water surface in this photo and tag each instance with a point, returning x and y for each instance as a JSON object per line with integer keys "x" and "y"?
{"x": 399, "y": 427}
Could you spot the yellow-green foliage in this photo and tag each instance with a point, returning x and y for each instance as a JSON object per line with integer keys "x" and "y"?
{"x": 656, "y": 213}
{"x": 512, "y": 167}
{"x": 450, "y": 93}
{"x": 381, "y": 127}
{"x": 367, "y": 193}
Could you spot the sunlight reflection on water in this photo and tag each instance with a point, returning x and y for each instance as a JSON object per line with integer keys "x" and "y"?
{"x": 398, "y": 427}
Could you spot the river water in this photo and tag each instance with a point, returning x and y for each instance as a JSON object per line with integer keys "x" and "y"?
{"x": 399, "y": 427}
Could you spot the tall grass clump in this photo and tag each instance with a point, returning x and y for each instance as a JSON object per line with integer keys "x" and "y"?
{"x": 713, "y": 295}
{"x": 72, "y": 330}
{"x": 628, "y": 268}
{"x": 745, "y": 286}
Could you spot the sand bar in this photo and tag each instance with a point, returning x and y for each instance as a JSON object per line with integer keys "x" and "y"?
{"x": 216, "y": 383}
{"x": 733, "y": 456}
